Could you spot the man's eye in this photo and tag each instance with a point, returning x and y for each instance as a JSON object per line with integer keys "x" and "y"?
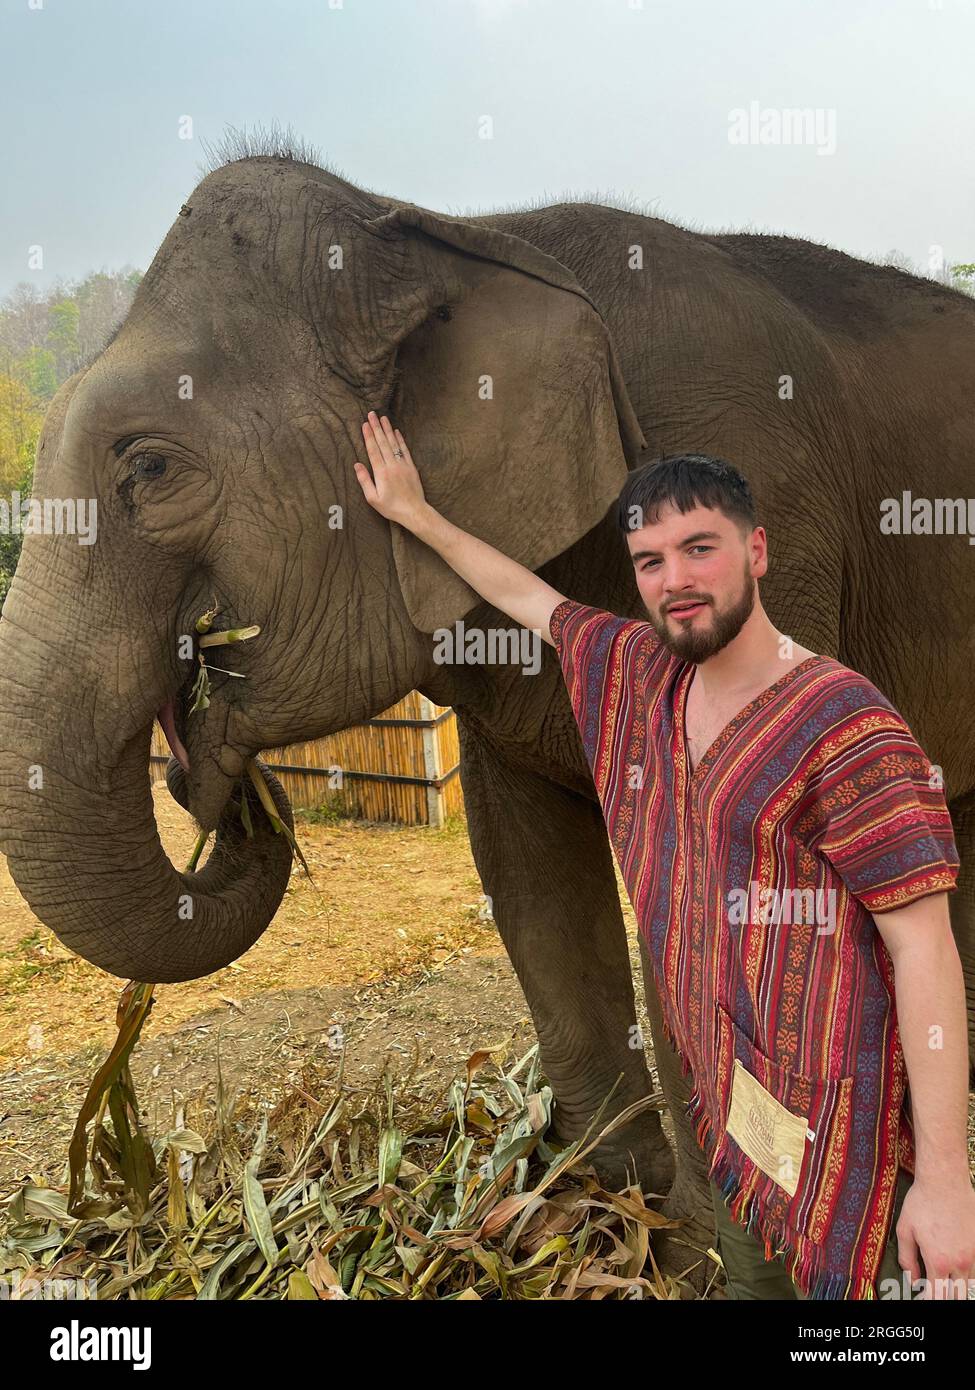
{"x": 148, "y": 465}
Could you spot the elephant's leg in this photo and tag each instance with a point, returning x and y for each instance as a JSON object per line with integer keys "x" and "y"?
{"x": 544, "y": 860}
{"x": 961, "y": 906}
{"x": 689, "y": 1200}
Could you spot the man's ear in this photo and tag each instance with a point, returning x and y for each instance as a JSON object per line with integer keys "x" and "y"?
{"x": 510, "y": 396}
{"x": 757, "y": 542}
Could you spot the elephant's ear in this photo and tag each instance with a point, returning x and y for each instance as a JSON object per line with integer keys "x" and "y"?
{"x": 510, "y": 396}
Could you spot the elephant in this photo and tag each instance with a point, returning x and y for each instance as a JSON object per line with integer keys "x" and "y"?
{"x": 531, "y": 358}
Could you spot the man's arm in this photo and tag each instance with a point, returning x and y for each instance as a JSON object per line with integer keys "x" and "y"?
{"x": 396, "y": 492}
{"x": 931, "y": 1015}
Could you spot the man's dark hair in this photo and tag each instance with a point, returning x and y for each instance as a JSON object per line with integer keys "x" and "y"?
{"x": 685, "y": 481}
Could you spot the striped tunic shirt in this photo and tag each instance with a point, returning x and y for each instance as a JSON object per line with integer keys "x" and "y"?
{"x": 753, "y": 879}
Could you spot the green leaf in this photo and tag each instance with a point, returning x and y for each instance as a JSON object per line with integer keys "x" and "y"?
{"x": 300, "y": 1286}
{"x": 41, "y": 1202}
{"x": 258, "y": 1216}
{"x": 390, "y": 1154}
{"x": 201, "y": 690}
{"x": 132, "y": 1012}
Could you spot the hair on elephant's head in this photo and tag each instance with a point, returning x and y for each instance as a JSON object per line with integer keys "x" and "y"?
{"x": 216, "y": 433}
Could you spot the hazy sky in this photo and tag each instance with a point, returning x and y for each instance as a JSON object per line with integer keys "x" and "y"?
{"x": 585, "y": 97}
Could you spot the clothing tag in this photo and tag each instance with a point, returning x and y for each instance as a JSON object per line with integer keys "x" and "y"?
{"x": 771, "y": 1136}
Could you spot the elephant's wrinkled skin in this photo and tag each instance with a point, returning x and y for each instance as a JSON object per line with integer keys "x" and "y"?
{"x": 293, "y": 302}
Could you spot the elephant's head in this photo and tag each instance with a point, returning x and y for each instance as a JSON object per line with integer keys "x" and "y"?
{"x": 216, "y": 433}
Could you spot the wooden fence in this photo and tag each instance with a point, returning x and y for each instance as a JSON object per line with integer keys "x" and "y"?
{"x": 403, "y": 766}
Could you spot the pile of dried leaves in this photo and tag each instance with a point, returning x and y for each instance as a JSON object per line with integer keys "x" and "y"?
{"x": 351, "y": 1195}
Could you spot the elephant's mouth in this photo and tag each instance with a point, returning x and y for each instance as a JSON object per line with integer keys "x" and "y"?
{"x": 180, "y": 706}
{"x": 208, "y": 761}
{"x": 167, "y": 722}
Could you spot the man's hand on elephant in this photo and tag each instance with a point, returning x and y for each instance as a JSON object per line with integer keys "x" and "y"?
{"x": 394, "y": 489}
{"x": 397, "y": 493}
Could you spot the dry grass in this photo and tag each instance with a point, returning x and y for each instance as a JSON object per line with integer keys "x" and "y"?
{"x": 367, "y": 1194}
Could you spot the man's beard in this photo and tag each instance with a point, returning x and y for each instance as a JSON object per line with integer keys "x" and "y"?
{"x": 697, "y": 645}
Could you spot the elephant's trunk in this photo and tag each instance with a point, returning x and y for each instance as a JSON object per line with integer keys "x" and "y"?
{"x": 83, "y": 848}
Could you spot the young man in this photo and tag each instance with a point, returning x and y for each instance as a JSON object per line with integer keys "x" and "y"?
{"x": 788, "y": 853}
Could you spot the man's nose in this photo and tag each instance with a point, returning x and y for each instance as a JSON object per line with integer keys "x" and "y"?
{"x": 675, "y": 578}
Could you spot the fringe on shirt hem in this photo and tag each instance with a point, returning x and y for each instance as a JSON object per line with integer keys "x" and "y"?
{"x": 801, "y": 1257}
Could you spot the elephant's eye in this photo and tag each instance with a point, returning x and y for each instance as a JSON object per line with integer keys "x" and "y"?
{"x": 148, "y": 465}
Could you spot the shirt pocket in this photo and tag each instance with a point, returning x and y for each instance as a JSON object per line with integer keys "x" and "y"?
{"x": 799, "y": 1166}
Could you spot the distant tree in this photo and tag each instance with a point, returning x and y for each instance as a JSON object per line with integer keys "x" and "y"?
{"x": 23, "y": 319}
{"x": 963, "y": 277}
{"x": 44, "y": 339}
{"x": 9, "y": 555}
{"x": 62, "y": 336}
{"x": 103, "y": 302}
{"x": 9, "y": 542}
{"x": 21, "y": 417}
{"x": 73, "y": 321}
{"x": 37, "y": 369}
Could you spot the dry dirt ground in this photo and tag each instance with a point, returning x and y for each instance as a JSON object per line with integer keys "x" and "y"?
{"x": 389, "y": 954}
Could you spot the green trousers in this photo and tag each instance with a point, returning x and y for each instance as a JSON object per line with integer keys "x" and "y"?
{"x": 751, "y": 1276}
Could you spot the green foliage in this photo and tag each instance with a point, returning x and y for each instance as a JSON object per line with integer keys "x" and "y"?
{"x": 9, "y": 555}
{"x": 10, "y": 544}
{"x": 62, "y": 334}
{"x": 21, "y": 416}
{"x": 43, "y": 341}
{"x": 963, "y": 277}
{"x": 37, "y": 369}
